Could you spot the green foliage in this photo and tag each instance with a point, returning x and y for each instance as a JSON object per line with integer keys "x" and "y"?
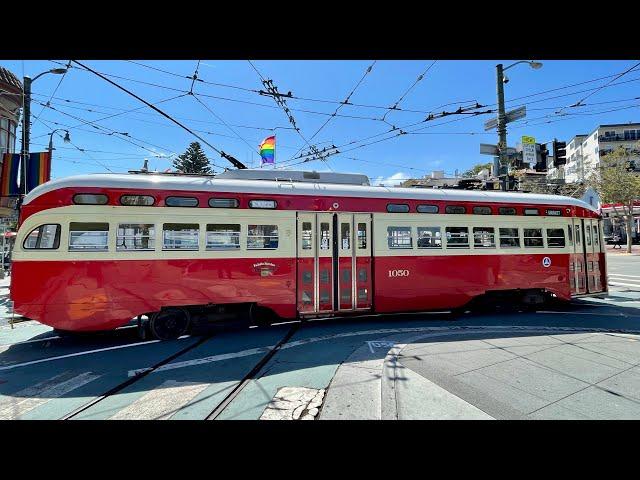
{"x": 193, "y": 160}
{"x": 473, "y": 171}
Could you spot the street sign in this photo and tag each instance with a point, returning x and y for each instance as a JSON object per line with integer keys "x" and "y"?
{"x": 488, "y": 149}
{"x": 528, "y": 149}
{"x": 511, "y": 116}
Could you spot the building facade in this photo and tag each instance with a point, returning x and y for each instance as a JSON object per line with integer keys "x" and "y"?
{"x": 11, "y": 92}
{"x": 585, "y": 151}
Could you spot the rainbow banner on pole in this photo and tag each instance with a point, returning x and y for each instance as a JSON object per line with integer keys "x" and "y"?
{"x": 268, "y": 150}
{"x": 9, "y": 175}
{"x": 38, "y": 169}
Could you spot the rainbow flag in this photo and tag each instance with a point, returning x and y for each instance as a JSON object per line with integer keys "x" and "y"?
{"x": 9, "y": 175}
{"x": 38, "y": 169}
{"x": 268, "y": 150}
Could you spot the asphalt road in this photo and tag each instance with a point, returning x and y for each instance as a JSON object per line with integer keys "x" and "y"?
{"x": 580, "y": 361}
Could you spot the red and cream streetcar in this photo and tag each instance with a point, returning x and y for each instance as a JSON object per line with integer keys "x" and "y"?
{"x": 95, "y": 251}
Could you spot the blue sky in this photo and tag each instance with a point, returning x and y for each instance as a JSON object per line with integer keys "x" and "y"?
{"x": 241, "y": 119}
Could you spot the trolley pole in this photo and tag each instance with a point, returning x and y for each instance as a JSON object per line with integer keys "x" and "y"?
{"x": 502, "y": 125}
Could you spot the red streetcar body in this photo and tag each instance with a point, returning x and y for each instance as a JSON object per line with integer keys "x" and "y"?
{"x": 85, "y": 261}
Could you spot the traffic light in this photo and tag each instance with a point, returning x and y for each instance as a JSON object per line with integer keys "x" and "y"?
{"x": 559, "y": 153}
{"x": 541, "y": 165}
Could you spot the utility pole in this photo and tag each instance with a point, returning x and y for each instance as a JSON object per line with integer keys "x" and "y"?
{"x": 26, "y": 126}
{"x": 502, "y": 125}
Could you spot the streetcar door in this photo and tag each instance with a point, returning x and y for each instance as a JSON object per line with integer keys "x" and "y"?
{"x": 306, "y": 260}
{"x": 363, "y": 270}
{"x": 578, "y": 258}
{"x": 346, "y": 262}
{"x": 593, "y": 255}
{"x": 325, "y": 262}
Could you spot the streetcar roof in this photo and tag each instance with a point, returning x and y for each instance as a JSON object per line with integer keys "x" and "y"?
{"x": 269, "y": 187}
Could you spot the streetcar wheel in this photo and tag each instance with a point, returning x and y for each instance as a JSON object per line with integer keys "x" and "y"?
{"x": 170, "y": 323}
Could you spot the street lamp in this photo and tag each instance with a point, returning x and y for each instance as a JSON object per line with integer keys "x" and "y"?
{"x": 26, "y": 120}
{"x": 66, "y": 139}
{"x": 502, "y": 124}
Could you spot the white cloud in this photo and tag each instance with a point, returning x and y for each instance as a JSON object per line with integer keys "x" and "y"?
{"x": 393, "y": 180}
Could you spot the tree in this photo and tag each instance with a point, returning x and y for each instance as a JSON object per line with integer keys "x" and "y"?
{"x": 193, "y": 160}
{"x": 475, "y": 170}
{"x": 618, "y": 185}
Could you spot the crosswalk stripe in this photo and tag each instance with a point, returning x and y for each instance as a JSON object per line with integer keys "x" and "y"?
{"x": 620, "y": 275}
{"x": 637, "y": 285}
{"x": 14, "y": 406}
{"x": 162, "y": 402}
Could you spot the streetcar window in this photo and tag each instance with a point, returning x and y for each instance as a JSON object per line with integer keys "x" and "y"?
{"x": 455, "y": 209}
{"x": 307, "y": 236}
{"x": 596, "y": 236}
{"x": 181, "y": 202}
{"x": 345, "y": 236}
{"x": 482, "y": 210}
{"x": 90, "y": 199}
{"x": 399, "y": 237}
{"x": 457, "y": 237}
{"x": 262, "y": 204}
{"x": 223, "y": 236}
{"x": 137, "y": 200}
{"x": 135, "y": 236}
{"x": 587, "y": 235}
{"x": 325, "y": 236}
{"x": 397, "y": 208}
{"x": 507, "y": 211}
{"x": 262, "y": 237}
{"x": 533, "y": 238}
{"x": 362, "y": 236}
{"x": 555, "y": 237}
{"x": 180, "y": 236}
{"x": 427, "y": 209}
{"x": 429, "y": 237}
{"x": 44, "y": 237}
{"x": 509, "y": 238}
{"x": 88, "y": 236}
{"x": 577, "y": 234}
{"x": 570, "y": 235}
{"x": 531, "y": 211}
{"x": 484, "y": 237}
{"x": 224, "y": 203}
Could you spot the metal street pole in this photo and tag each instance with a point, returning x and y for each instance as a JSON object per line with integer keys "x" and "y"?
{"x": 26, "y": 121}
{"x": 502, "y": 125}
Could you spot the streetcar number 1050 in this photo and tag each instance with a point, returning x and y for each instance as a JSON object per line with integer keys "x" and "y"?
{"x": 398, "y": 273}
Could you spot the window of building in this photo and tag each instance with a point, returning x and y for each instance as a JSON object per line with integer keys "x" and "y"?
{"x": 223, "y": 203}
{"x": 325, "y": 236}
{"x": 4, "y": 135}
{"x": 399, "y": 237}
{"x": 43, "y": 237}
{"x": 262, "y": 237}
{"x": 345, "y": 236}
{"x": 427, "y": 209}
{"x": 429, "y": 237}
{"x": 555, "y": 237}
{"x": 135, "y": 236}
{"x": 533, "y": 238}
{"x": 223, "y": 236}
{"x": 90, "y": 199}
{"x": 484, "y": 237}
{"x": 137, "y": 200}
{"x": 507, "y": 211}
{"x": 481, "y": 210}
{"x": 307, "y": 236}
{"x": 181, "y": 202}
{"x": 397, "y": 208}
{"x": 84, "y": 236}
{"x": 457, "y": 209}
{"x": 180, "y": 236}
{"x": 457, "y": 237}
{"x": 509, "y": 238}
{"x": 362, "y": 236}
